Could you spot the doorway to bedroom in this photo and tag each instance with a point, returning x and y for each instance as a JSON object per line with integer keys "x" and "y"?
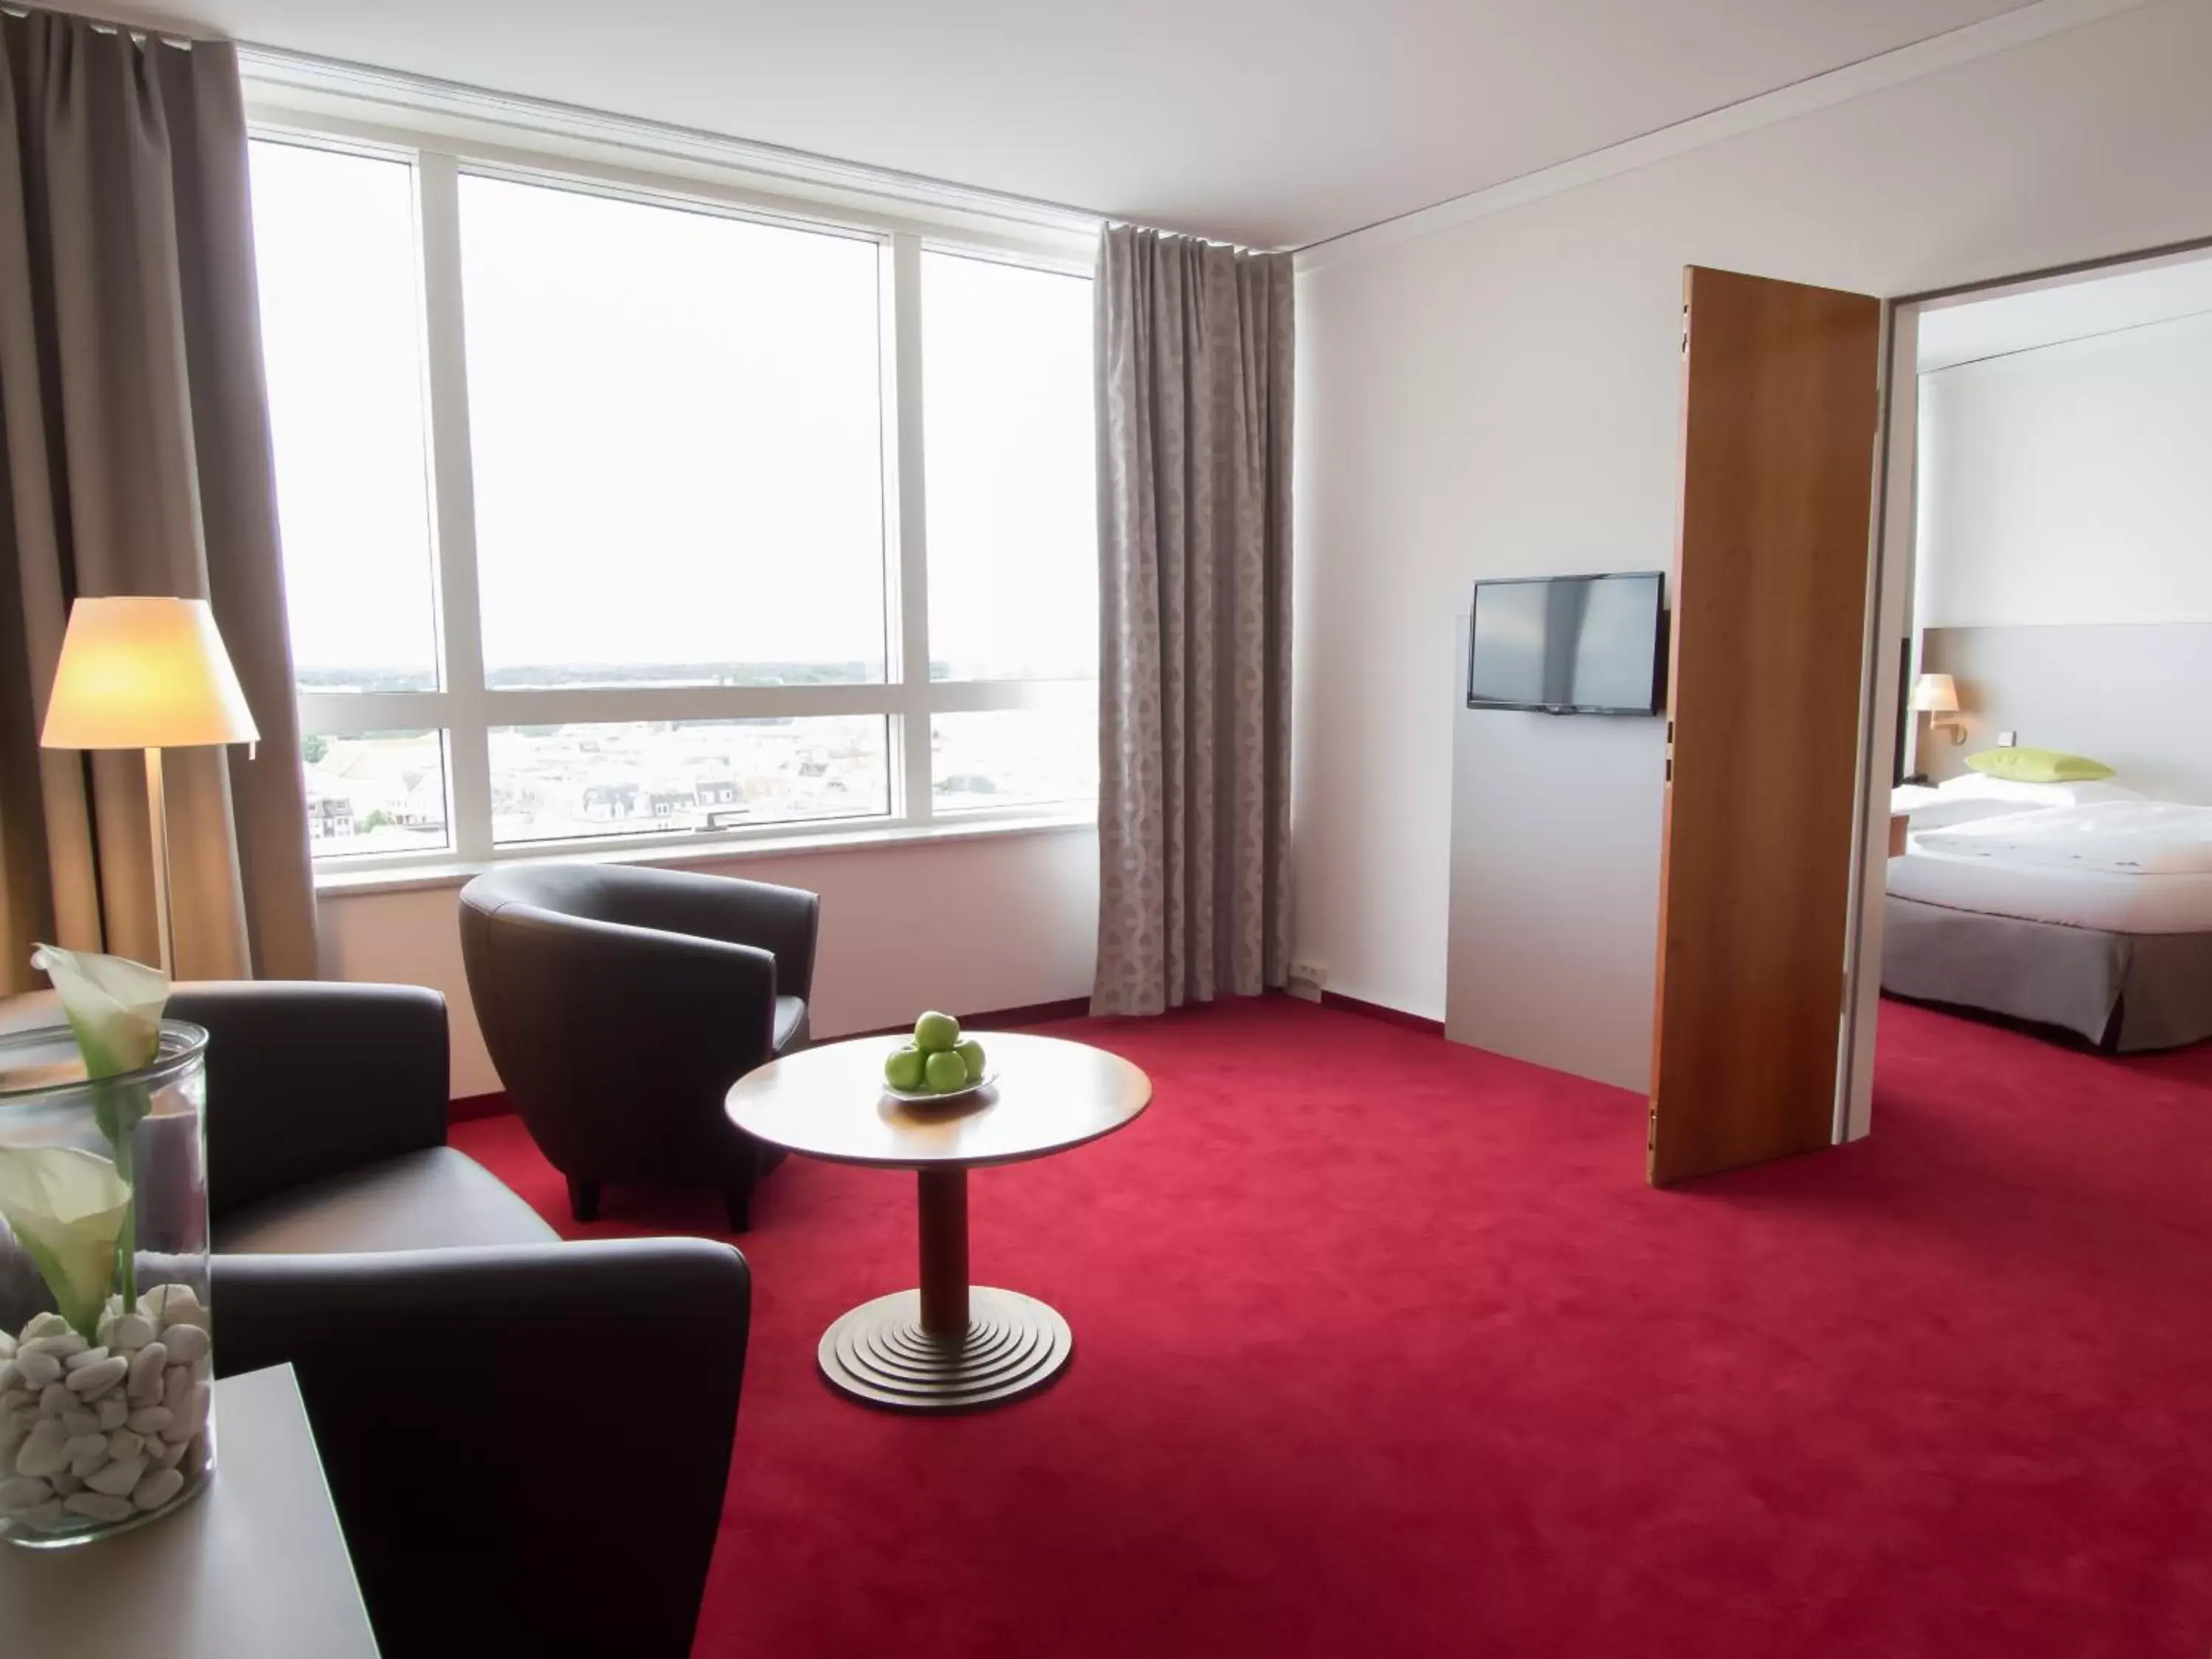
{"x": 2046, "y": 900}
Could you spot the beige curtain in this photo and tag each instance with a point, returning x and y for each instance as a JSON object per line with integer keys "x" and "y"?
{"x": 135, "y": 458}
{"x": 1194, "y": 620}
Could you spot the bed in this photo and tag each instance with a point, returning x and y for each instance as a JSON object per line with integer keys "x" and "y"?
{"x": 2083, "y": 906}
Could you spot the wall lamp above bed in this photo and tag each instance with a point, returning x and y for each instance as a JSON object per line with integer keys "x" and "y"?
{"x": 1936, "y": 695}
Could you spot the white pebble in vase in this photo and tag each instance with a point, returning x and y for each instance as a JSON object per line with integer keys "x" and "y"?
{"x": 37, "y": 1370}
{"x": 22, "y": 1492}
{"x": 98, "y": 1506}
{"x": 145, "y": 1388}
{"x": 190, "y": 1416}
{"x": 96, "y": 1380}
{"x": 117, "y": 1480}
{"x": 157, "y": 1489}
{"x": 95, "y": 1435}
{"x": 41, "y": 1453}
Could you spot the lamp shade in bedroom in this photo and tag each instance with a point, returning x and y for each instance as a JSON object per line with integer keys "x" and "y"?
{"x": 1935, "y": 694}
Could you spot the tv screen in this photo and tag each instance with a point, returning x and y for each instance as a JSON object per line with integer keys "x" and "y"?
{"x": 1569, "y": 645}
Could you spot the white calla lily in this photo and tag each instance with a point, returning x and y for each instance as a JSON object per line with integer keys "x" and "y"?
{"x": 114, "y": 1007}
{"x": 113, "y": 1003}
{"x": 68, "y": 1208}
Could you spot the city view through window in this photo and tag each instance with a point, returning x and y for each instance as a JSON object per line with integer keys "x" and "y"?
{"x": 678, "y": 549}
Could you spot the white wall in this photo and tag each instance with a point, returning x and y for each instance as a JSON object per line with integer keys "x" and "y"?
{"x": 966, "y": 925}
{"x": 2070, "y": 484}
{"x": 1501, "y": 396}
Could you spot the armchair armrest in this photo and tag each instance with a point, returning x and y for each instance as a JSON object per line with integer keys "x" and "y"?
{"x": 479, "y": 1477}
{"x": 781, "y": 921}
{"x": 308, "y": 1079}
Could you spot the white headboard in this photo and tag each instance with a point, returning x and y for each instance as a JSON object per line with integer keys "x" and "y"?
{"x": 2136, "y": 695}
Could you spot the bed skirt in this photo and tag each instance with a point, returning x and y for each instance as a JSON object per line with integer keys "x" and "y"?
{"x": 2124, "y": 991}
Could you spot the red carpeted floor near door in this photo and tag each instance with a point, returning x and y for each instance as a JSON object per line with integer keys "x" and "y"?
{"x": 1383, "y": 1347}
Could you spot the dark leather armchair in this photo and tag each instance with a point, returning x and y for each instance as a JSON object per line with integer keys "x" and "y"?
{"x": 620, "y": 1003}
{"x": 431, "y": 1316}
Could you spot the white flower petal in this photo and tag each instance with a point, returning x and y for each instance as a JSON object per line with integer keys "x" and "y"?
{"x": 67, "y": 1209}
{"x": 114, "y": 1005}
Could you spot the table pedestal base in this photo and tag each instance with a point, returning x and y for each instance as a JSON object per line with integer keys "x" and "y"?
{"x": 879, "y": 1353}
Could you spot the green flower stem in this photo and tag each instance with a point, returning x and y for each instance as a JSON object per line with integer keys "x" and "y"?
{"x": 126, "y": 1242}
{"x": 118, "y": 1108}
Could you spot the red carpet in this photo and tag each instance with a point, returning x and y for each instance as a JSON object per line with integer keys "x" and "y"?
{"x": 1383, "y": 1347}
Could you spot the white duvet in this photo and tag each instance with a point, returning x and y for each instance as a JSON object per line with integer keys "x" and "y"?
{"x": 2134, "y": 836}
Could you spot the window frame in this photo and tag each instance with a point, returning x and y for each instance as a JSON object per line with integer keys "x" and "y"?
{"x": 464, "y": 709}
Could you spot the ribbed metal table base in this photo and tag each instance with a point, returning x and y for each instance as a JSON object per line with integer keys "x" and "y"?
{"x": 879, "y": 1353}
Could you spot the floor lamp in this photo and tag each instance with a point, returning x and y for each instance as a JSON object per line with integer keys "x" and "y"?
{"x": 150, "y": 674}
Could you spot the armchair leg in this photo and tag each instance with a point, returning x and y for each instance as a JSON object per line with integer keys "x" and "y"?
{"x": 583, "y": 1199}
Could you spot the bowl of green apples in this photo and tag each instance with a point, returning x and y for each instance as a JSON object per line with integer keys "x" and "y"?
{"x": 939, "y": 1064}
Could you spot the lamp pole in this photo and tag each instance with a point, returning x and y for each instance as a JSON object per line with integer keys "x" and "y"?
{"x": 157, "y": 822}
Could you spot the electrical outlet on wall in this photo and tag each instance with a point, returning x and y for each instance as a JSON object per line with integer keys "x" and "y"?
{"x": 1308, "y": 979}
{"x": 2008, "y": 739}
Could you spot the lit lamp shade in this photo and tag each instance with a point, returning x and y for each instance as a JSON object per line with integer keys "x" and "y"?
{"x": 144, "y": 673}
{"x": 1935, "y": 694}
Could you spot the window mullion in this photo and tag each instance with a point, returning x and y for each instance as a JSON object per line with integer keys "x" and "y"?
{"x": 452, "y": 490}
{"x": 913, "y": 582}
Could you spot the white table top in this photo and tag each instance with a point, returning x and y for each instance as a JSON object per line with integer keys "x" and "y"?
{"x": 254, "y": 1566}
{"x": 828, "y": 1102}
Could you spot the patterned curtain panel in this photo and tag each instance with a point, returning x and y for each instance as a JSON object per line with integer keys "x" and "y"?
{"x": 1194, "y": 619}
{"x": 135, "y": 458}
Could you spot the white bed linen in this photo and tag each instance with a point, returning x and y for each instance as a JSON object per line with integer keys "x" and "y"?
{"x": 2101, "y": 899}
{"x": 2121, "y": 837}
{"x": 1969, "y": 798}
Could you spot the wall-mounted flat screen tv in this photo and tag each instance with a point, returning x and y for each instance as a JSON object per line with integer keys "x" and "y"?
{"x": 1569, "y": 645}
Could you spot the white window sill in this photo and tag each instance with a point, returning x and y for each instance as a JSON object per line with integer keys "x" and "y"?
{"x": 334, "y": 881}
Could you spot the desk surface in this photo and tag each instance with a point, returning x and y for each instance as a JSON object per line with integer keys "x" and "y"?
{"x": 255, "y": 1566}
{"x": 828, "y": 1102}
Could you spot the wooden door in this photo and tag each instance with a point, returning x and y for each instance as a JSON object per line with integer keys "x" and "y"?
{"x": 1779, "y": 413}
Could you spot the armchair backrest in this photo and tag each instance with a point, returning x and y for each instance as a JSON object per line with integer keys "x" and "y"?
{"x": 619, "y": 1003}
{"x": 308, "y": 1079}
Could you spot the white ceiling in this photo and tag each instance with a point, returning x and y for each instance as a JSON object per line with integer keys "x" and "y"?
{"x": 1267, "y": 123}
{"x": 2133, "y": 297}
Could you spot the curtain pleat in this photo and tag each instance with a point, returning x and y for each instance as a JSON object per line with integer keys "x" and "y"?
{"x": 134, "y": 458}
{"x": 1194, "y": 395}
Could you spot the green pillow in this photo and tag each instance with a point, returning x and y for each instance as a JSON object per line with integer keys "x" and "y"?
{"x": 2037, "y": 766}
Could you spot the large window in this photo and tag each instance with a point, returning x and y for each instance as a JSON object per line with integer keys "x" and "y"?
{"x": 610, "y": 517}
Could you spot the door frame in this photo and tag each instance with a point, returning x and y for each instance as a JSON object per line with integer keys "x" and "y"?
{"x": 1890, "y": 575}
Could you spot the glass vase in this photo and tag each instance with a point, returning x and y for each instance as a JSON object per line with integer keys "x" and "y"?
{"x": 106, "y": 1375}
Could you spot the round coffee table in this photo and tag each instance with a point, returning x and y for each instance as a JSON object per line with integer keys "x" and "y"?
{"x": 950, "y": 1346}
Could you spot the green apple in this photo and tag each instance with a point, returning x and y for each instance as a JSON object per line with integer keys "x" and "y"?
{"x": 971, "y": 1051}
{"x": 945, "y": 1072}
{"x": 933, "y": 1032}
{"x": 902, "y": 1069}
